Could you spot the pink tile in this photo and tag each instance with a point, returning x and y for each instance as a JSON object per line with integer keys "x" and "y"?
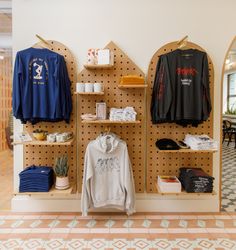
{"x": 196, "y": 230}
{"x": 5, "y": 230}
{"x": 119, "y": 230}
{"x": 154, "y": 217}
{"x": 188, "y": 217}
{"x": 101, "y": 217}
{"x": 139, "y": 230}
{"x": 223, "y": 217}
{"x": 170, "y": 217}
{"x": 40, "y": 230}
{"x": 99, "y": 230}
{"x": 137, "y": 216}
{"x": 158, "y": 231}
{"x": 119, "y": 217}
{"x": 205, "y": 217}
{"x": 13, "y": 217}
{"x": 60, "y": 230}
{"x": 80, "y": 217}
{"x": 31, "y": 217}
{"x": 177, "y": 230}
{"x": 80, "y": 230}
{"x": 216, "y": 230}
{"x": 48, "y": 217}
{"x": 21, "y": 231}
{"x": 66, "y": 217}
{"x": 230, "y": 230}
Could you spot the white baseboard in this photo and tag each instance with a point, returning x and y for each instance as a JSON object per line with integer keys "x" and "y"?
{"x": 144, "y": 203}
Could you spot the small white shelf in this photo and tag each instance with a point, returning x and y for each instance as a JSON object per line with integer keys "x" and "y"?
{"x": 110, "y": 122}
{"x": 45, "y": 143}
{"x": 132, "y": 86}
{"x": 102, "y": 66}
{"x": 89, "y": 93}
{"x": 186, "y": 151}
{"x": 184, "y": 193}
{"x": 52, "y": 192}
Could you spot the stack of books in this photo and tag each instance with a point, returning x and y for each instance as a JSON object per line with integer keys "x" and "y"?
{"x": 168, "y": 184}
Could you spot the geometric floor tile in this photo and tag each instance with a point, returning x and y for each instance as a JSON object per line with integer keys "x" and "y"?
{"x": 75, "y": 244}
{"x": 227, "y": 244}
{"x": 228, "y": 178}
{"x": 184, "y": 244}
{"x": 142, "y": 232}
{"x": 140, "y": 244}
{"x": 162, "y": 244}
{"x": 205, "y": 244}
{"x": 120, "y": 244}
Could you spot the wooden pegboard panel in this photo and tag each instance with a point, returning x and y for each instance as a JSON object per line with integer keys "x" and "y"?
{"x": 5, "y": 97}
{"x": 160, "y": 163}
{"x": 45, "y": 155}
{"x": 134, "y": 135}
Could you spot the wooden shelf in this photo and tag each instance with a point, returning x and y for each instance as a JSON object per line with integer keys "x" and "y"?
{"x": 52, "y": 192}
{"x": 45, "y": 143}
{"x": 102, "y": 66}
{"x": 89, "y": 93}
{"x": 110, "y": 122}
{"x": 186, "y": 151}
{"x": 184, "y": 193}
{"x": 132, "y": 86}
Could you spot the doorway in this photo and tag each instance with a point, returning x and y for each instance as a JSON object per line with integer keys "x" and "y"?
{"x": 228, "y": 187}
{"x": 6, "y": 120}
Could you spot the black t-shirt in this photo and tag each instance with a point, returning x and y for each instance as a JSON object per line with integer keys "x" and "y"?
{"x": 181, "y": 88}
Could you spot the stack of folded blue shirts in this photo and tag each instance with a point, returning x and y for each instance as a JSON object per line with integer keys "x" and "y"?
{"x": 36, "y": 179}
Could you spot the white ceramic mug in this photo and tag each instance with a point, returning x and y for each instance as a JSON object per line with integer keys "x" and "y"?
{"x": 88, "y": 87}
{"x": 80, "y": 87}
{"x": 97, "y": 87}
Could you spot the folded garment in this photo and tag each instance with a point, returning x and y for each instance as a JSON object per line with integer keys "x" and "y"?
{"x": 41, "y": 170}
{"x": 200, "y": 142}
{"x": 132, "y": 79}
{"x": 36, "y": 179}
{"x": 195, "y": 180}
{"x": 126, "y": 114}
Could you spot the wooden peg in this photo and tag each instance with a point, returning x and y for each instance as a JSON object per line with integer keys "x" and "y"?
{"x": 42, "y": 40}
{"x": 182, "y": 40}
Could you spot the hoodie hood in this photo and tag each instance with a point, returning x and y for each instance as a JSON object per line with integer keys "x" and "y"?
{"x": 108, "y": 142}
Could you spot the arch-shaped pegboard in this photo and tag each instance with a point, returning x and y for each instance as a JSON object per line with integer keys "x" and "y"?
{"x": 159, "y": 163}
{"x": 134, "y": 135}
{"x": 44, "y": 155}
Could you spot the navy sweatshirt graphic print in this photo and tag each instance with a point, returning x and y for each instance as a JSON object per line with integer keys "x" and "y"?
{"x": 41, "y": 87}
{"x": 181, "y": 91}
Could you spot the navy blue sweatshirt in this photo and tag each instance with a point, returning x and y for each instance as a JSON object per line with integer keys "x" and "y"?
{"x": 41, "y": 87}
{"x": 181, "y": 92}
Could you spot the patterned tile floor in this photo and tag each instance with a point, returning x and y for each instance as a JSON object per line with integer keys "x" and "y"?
{"x": 229, "y": 178}
{"x": 150, "y": 231}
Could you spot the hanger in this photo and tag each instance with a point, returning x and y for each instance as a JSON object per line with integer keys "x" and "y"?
{"x": 183, "y": 44}
{"x": 42, "y": 44}
{"x": 106, "y": 131}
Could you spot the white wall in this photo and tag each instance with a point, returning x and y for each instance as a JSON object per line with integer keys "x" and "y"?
{"x": 139, "y": 27}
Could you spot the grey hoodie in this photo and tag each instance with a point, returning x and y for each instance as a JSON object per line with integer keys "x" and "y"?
{"x": 108, "y": 179}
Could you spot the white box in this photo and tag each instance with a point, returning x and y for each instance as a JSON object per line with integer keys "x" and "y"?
{"x": 101, "y": 110}
{"x": 169, "y": 184}
{"x": 105, "y": 56}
